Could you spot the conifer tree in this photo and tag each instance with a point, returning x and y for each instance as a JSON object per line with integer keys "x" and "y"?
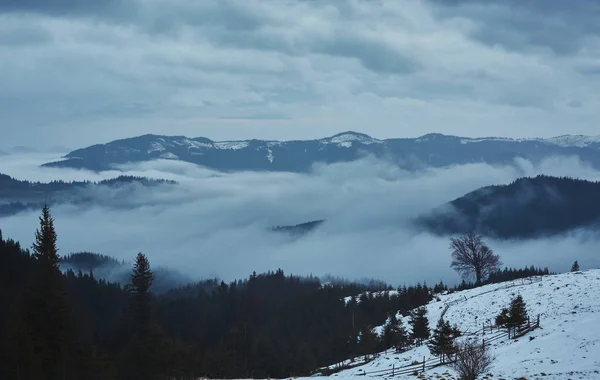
{"x": 441, "y": 343}
{"x": 141, "y": 359}
{"x": 394, "y": 334}
{"x": 368, "y": 341}
{"x": 518, "y": 311}
{"x": 420, "y": 325}
{"x": 47, "y": 314}
{"x": 575, "y": 267}
{"x": 513, "y": 316}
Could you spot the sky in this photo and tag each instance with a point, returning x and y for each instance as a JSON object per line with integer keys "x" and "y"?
{"x": 218, "y": 224}
{"x": 74, "y": 73}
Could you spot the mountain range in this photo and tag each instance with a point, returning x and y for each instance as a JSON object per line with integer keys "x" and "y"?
{"x": 434, "y": 150}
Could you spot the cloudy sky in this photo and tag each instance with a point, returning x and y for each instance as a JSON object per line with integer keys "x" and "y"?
{"x": 79, "y": 72}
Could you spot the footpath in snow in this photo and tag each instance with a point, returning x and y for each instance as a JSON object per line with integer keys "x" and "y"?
{"x": 566, "y": 346}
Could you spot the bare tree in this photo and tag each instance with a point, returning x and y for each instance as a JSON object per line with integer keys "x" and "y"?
{"x": 473, "y": 359}
{"x": 472, "y": 257}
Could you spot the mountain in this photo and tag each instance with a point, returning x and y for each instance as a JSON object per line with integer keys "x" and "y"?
{"x": 17, "y": 195}
{"x": 299, "y": 156}
{"x": 528, "y": 207}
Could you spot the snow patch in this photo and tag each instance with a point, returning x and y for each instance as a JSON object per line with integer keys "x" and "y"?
{"x": 234, "y": 145}
{"x": 270, "y": 156}
{"x": 169, "y": 156}
{"x": 156, "y": 147}
{"x": 345, "y": 140}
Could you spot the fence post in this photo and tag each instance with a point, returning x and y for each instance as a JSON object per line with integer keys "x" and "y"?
{"x": 393, "y": 369}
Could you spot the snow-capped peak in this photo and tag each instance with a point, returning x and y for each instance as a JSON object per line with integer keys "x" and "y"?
{"x": 346, "y": 139}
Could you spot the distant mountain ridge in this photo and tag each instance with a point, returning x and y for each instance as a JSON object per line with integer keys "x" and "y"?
{"x": 434, "y": 149}
{"x": 526, "y": 208}
{"x": 18, "y": 195}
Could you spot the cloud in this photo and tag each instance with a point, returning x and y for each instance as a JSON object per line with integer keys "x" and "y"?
{"x": 81, "y": 72}
{"x": 216, "y": 224}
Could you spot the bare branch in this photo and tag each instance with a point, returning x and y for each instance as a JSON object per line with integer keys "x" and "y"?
{"x": 473, "y": 359}
{"x": 472, "y": 257}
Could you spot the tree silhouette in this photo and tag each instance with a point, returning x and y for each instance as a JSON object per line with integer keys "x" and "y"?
{"x": 47, "y": 313}
{"x": 472, "y": 257}
{"x": 141, "y": 357}
{"x": 575, "y": 267}
{"x": 394, "y": 334}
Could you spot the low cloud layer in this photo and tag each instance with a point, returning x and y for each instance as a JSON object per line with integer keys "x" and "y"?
{"x": 83, "y": 72}
{"x": 215, "y": 224}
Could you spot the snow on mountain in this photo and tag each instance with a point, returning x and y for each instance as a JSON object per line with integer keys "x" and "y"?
{"x": 434, "y": 149}
{"x": 346, "y": 139}
{"x": 566, "y": 346}
{"x": 579, "y": 141}
{"x": 564, "y": 141}
{"x": 234, "y": 145}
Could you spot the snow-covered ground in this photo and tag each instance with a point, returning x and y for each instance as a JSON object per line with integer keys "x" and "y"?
{"x": 566, "y": 346}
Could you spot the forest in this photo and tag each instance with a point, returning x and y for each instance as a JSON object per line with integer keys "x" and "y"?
{"x": 67, "y": 324}
{"x": 20, "y": 195}
{"x": 526, "y": 208}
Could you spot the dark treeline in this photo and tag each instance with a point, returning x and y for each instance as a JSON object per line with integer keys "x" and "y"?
{"x": 507, "y": 274}
{"x": 73, "y": 325}
{"x": 9, "y": 184}
{"x": 19, "y": 195}
{"x": 526, "y": 208}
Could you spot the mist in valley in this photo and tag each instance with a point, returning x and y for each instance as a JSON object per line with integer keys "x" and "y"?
{"x": 214, "y": 224}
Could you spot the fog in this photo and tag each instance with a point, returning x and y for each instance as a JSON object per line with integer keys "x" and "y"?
{"x": 218, "y": 225}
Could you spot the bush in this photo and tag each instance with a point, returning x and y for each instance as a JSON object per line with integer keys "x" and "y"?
{"x": 473, "y": 359}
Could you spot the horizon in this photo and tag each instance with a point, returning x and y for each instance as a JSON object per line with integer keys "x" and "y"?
{"x": 58, "y": 148}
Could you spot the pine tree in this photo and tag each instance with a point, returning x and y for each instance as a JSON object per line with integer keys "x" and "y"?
{"x": 141, "y": 359}
{"x": 441, "y": 343}
{"x": 513, "y": 316}
{"x": 420, "y": 325}
{"x": 394, "y": 334}
{"x": 368, "y": 341}
{"x": 575, "y": 267}
{"x": 47, "y": 311}
{"x": 518, "y": 311}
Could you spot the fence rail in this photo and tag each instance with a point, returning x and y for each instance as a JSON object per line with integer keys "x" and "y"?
{"x": 420, "y": 367}
{"x": 433, "y": 362}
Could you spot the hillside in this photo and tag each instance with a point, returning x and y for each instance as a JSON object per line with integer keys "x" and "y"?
{"x": 567, "y": 344}
{"x": 17, "y": 195}
{"x": 299, "y": 229}
{"x": 435, "y": 150}
{"x": 528, "y": 207}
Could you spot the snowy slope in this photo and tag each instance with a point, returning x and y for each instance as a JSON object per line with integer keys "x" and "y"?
{"x": 567, "y": 346}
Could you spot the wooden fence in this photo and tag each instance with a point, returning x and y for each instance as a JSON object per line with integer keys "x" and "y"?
{"x": 496, "y": 334}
